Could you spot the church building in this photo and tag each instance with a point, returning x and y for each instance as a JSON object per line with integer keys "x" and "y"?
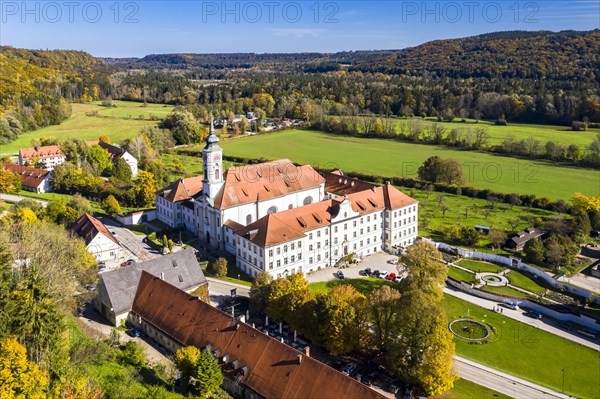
{"x": 283, "y": 218}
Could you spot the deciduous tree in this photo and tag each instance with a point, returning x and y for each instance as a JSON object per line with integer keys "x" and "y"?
{"x": 425, "y": 268}
{"x": 20, "y": 378}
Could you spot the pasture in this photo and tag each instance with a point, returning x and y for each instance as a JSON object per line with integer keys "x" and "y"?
{"x": 389, "y": 158}
{"x": 84, "y": 123}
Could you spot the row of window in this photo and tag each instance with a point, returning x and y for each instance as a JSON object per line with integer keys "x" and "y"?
{"x": 286, "y": 260}
{"x": 411, "y": 219}
{"x": 292, "y": 247}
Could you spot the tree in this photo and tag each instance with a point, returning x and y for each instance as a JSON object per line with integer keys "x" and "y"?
{"x": 534, "y": 251}
{"x": 80, "y": 204}
{"x": 425, "y": 269}
{"x": 259, "y": 292}
{"x": 104, "y": 139}
{"x": 384, "y": 308}
{"x": 438, "y": 170}
{"x": 423, "y": 350}
{"x": 186, "y": 360}
{"x": 144, "y": 188}
{"x": 468, "y": 236}
{"x": 554, "y": 253}
{"x": 497, "y": 238}
{"x": 219, "y": 267}
{"x": 339, "y": 314}
{"x": 208, "y": 376}
{"x": 99, "y": 159}
{"x": 20, "y": 378}
{"x": 514, "y": 223}
{"x": 10, "y": 182}
{"x": 26, "y": 215}
{"x": 183, "y": 126}
{"x": 276, "y": 305}
{"x": 111, "y": 206}
{"x": 121, "y": 170}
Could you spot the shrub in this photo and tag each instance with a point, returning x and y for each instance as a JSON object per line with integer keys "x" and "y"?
{"x": 578, "y": 126}
{"x": 501, "y": 122}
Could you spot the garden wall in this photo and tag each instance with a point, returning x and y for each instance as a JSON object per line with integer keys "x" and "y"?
{"x": 517, "y": 264}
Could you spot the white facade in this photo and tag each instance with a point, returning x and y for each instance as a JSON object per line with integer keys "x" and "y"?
{"x": 132, "y": 162}
{"x": 104, "y": 249}
{"x": 361, "y": 235}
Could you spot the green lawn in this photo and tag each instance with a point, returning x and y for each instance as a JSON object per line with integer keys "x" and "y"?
{"x": 508, "y": 291}
{"x": 134, "y": 110}
{"x": 185, "y": 165}
{"x": 542, "y": 133}
{"x": 460, "y": 275}
{"x": 480, "y": 267}
{"x": 529, "y": 353}
{"x": 390, "y": 158}
{"x": 464, "y": 389}
{"x": 520, "y": 280}
{"x": 363, "y": 285}
{"x": 83, "y": 126}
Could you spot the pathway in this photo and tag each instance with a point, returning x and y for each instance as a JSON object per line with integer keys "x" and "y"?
{"x": 19, "y": 198}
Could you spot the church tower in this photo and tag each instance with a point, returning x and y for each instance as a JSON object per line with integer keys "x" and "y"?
{"x": 212, "y": 156}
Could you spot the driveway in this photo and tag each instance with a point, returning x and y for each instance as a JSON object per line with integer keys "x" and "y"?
{"x": 377, "y": 261}
{"x": 133, "y": 244}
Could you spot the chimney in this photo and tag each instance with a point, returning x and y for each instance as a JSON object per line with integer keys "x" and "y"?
{"x": 387, "y": 182}
{"x": 307, "y": 351}
{"x": 374, "y": 189}
{"x": 162, "y": 276}
{"x": 299, "y": 359}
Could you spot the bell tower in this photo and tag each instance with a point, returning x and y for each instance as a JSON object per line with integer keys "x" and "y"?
{"x": 212, "y": 156}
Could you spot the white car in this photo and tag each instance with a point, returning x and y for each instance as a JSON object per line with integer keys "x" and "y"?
{"x": 383, "y": 274}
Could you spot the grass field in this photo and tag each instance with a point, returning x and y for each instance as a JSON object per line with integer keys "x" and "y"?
{"x": 542, "y": 133}
{"x": 518, "y": 348}
{"x": 508, "y": 291}
{"x": 464, "y": 389}
{"x": 134, "y": 110}
{"x": 363, "y": 285}
{"x": 480, "y": 267}
{"x": 186, "y": 165}
{"x": 88, "y": 127}
{"x": 524, "y": 351}
{"x": 390, "y": 158}
{"x": 460, "y": 275}
{"x": 520, "y": 280}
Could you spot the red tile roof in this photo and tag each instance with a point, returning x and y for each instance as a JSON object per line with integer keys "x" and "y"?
{"x": 273, "y": 369}
{"x": 293, "y": 223}
{"x": 41, "y": 152}
{"x": 263, "y": 181}
{"x": 182, "y": 189}
{"x": 338, "y": 184}
{"x": 30, "y": 177}
{"x": 89, "y": 227}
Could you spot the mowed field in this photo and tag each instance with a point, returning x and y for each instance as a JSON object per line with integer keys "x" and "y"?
{"x": 543, "y": 133}
{"x": 111, "y": 122}
{"x": 391, "y": 158}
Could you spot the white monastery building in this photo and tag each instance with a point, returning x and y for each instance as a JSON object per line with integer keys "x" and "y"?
{"x": 283, "y": 218}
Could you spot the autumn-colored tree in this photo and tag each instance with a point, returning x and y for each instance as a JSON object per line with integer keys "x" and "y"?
{"x": 26, "y": 215}
{"x": 426, "y": 269}
{"x": 144, "y": 188}
{"x": 111, "y": 206}
{"x": 20, "y": 378}
{"x": 340, "y": 314}
{"x": 384, "y": 309}
{"x": 422, "y": 350}
{"x": 10, "y": 182}
{"x": 104, "y": 139}
{"x": 186, "y": 360}
{"x": 99, "y": 159}
{"x": 219, "y": 267}
{"x": 276, "y": 304}
{"x": 259, "y": 292}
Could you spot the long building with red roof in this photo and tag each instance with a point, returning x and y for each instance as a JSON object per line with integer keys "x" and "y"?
{"x": 284, "y": 218}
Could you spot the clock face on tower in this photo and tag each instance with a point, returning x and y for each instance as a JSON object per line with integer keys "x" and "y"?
{"x": 216, "y": 157}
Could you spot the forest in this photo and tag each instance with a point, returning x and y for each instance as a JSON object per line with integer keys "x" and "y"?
{"x": 530, "y": 77}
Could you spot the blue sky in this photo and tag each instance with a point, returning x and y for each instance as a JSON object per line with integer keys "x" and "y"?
{"x": 110, "y": 28}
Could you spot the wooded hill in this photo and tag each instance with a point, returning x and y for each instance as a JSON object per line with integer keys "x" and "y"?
{"x": 36, "y": 87}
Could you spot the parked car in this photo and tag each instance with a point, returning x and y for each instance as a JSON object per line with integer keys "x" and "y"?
{"x": 90, "y": 287}
{"x": 394, "y": 386}
{"x": 510, "y": 305}
{"x": 366, "y": 272}
{"x": 349, "y": 368}
{"x": 383, "y": 274}
{"x": 340, "y": 275}
{"x": 133, "y": 332}
{"x": 375, "y": 274}
{"x": 393, "y": 261}
{"x": 391, "y": 276}
{"x": 369, "y": 379}
{"x": 533, "y": 314}
{"x": 398, "y": 278}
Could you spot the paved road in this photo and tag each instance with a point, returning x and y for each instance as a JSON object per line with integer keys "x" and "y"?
{"x": 589, "y": 283}
{"x": 219, "y": 288}
{"x": 132, "y": 243}
{"x": 502, "y": 382}
{"x": 518, "y": 315}
{"x": 19, "y": 198}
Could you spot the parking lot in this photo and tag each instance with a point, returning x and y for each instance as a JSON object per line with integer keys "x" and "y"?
{"x": 378, "y": 261}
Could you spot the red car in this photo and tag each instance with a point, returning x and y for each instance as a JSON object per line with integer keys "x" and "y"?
{"x": 391, "y": 276}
